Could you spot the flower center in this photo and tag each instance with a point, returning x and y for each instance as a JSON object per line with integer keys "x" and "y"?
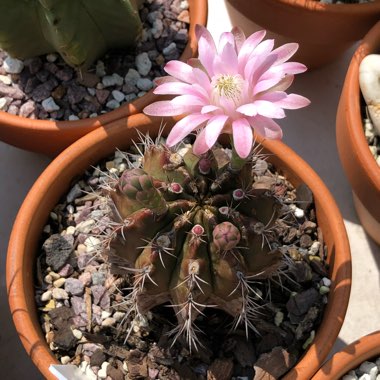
{"x": 229, "y": 86}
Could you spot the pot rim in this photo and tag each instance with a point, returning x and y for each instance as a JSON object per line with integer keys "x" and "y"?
{"x": 198, "y": 15}
{"x": 354, "y": 119}
{"x": 350, "y": 357}
{"x": 19, "y": 277}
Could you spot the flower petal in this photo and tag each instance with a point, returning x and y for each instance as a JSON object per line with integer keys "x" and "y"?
{"x": 167, "y": 108}
{"x": 213, "y": 129}
{"x": 200, "y": 146}
{"x": 266, "y": 127}
{"x": 283, "y": 84}
{"x": 243, "y": 137}
{"x": 191, "y": 100}
{"x": 226, "y": 62}
{"x": 239, "y": 37}
{"x": 293, "y": 102}
{"x": 180, "y": 70}
{"x": 225, "y": 38}
{"x": 209, "y": 108}
{"x": 183, "y": 127}
{"x": 269, "y": 109}
{"x": 290, "y": 68}
{"x": 206, "y": 48}
{"x": 248, "y": 46}
{"x": 285, "y": 52}
{"x": 248, "y": 109}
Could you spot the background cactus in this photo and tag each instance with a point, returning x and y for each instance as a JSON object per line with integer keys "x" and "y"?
{"x": 80, "y": 30}
{"x": 194, "y": 233}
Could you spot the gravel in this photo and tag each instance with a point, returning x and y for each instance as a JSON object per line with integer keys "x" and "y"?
{"x": 46, "y": 87}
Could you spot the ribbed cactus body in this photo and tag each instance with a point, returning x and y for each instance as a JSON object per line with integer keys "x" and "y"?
{"x": 195, "y": 240}
{"x": 80, "y": 30}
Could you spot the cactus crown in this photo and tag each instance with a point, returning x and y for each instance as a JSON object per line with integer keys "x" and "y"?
{"x": 195, "y": 233}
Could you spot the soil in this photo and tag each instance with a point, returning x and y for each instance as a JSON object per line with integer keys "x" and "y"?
{"x": 47, "y": 88}
{"x": 87, "y": 322}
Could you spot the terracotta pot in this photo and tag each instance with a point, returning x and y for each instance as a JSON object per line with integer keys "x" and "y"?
{"x": 350, "y": 357}
{"x": 359, "y": 165}
{"x": 50, "y": 137}
{"x": 56, "y": 180}
{"x": 324, "y": 31}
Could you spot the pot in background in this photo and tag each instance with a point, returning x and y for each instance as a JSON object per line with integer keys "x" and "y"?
{"x": 324, "y": 31}
{"x": 51, "y": 137}
{"x": 358, "y": 162}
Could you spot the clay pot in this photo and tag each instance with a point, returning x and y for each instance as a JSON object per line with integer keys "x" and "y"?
{"x": 71, "y": 163}
{"x": 324, "y": 31}
{"x": 50, "y": 137}
{"x": 366, "y": 348}
{"x": 358, "y": 163}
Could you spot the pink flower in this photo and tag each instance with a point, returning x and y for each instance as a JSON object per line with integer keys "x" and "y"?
{"x": 237, "y": 87}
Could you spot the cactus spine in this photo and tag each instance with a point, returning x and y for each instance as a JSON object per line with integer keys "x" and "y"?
{"x": 80, "y": 30}
{"x": 194, "y": 233}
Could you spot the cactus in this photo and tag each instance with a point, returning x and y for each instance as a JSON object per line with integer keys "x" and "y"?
{"x": 80, "y": 30}
{"x": 193, "y": 232}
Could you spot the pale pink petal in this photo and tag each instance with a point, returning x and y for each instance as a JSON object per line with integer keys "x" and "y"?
{"x": 266, "y": 82}
{"x": 285, "y": 52}
{"x": 183, "y": 127}
{"x": 202, "y": 79}
{"x": 290, "y": 68}
{"x": 269, "y": 109}
{"x": 258, "y": 67}
{"x": 206, "y": 48}
{"x": 200, "y": 146}
{"x": 239, "y": 37}
{"x": 274, "y": 96}
{"x": 263, "y": 48}
{"x": 226, "y": 62}
{"x": 293, "y": 102}
{"x": 213, "y": 129}
{"x": 191, "y": 100}
{"x": 166, "y": 79}
{"x": 243, "y": 137}
{"x": 248, "y": 46}
{"x": 172, "y": 88}
{"x": 209, "y": 108}
{"x": 225, "y": 38}
{"x": 167, "y": 108}
{"x": 266, "y": 127}
{"x": 248, "y": 109}
{"x": 284, "y": 83}
{"x": 180, "y": 70}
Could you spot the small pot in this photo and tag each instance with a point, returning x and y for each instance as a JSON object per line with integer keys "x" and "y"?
{"x": 51, "y": 137}
{"x": 359, "y": 165}
{"x": 324, "y": 31}
{"x": 366, "y": 348}
{"x": 90, "y": 149}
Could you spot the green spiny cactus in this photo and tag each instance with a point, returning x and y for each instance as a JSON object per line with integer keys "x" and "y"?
{"x": 194, "y": 232}
{"x": 80, "y": 30}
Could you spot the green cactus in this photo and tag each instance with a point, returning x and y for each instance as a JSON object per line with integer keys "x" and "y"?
{"x": 191, "y": 239}
{"x": 80, "y": 30}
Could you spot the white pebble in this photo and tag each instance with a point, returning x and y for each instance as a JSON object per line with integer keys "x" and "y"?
{"x": 81, "y": 249}
{"x": 118, "y": 95}
{"x": 370, "y": 369}
{"x": 51, "y": 57}
{"x": 350, "y": 376}
{"x": 324, "y": 290}
{"x": 299, "y": 213}
{"x": 144, "y": 84}
{"x": 105, "y": 314}
{"x": 91, "y": 91}
{"x": 49, "y": 105}
{"x": 65, "y": 359}
{"x": 5, "y": 79}
{"x": 108, "y": 322}
{"x": 86, "y": 226}
{"x": 113, "y": 104}
{"x": 59, "y": 283}
{"x": 70, "y": 230}
{"x": 100, "y": 70}
{"x": 132, "y": 77}
{"x": 184, "y": 5}
{"x": 46, "y": 296}
{"x": 60, "y": 294}
{"x": 92, "y": 244}
{"x": 78, "y": 334}
{"x": 48, "y": 279}
{"x": 108, "y": 81}
{"x": 73, "y": 117}
{"x": 278, "y": 318}
{"x": 3, "y": 103}
{"x": 102, "y": 373}
{"x": 143, "y": 63}
{"x": 326, "y": 281}
{"x": 314, "y": 249}
{"x": 13, "y": 65}
{"x": 366, "y": 376}
{"x": 118, "y": 316}
{"x": 93, "y": 115}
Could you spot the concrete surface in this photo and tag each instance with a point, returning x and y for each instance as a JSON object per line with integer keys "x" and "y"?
{"x": 310, "y": 132}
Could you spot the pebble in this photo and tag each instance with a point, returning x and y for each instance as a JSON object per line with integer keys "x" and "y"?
{"x": 13, "y": 65}
{"x": 143, "y": 63}
{"x": 299, "y": 213}
{"x": 60, "y": 294}
{"x": 59, "y": 283}
{"x": 132, "y": 77}
{"x": 113, "y": 104}
{"x": 314, "y": 249}
{"x": 73, "y": 117}
{"x": 51, "y": 57}
{"x": 46, "y": 296}
{"x": 66, "y": 270}
{"x": 5, "y": 79}
{"x": 27, "y": 109}
{"x": 75, "y": 192}
{"x": 3, "y": 104}
{"x": 108, "y": 322}
{"x": 78, "y": 334}
{"x": 100, "y": 69}
{"x": 118, "y": 316}
{"x": 65, "y": 360}
{"x": 144, "y": 84}
{"x": 118, "y": 95}
{"x": 92, "y": 244}
{"x": 102, "y": 373}
{"x": 49, "y": 105}
{"x": 86, "y": 226}
{"x": 170, "y": 49}
{"x": 74, "y": 286}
